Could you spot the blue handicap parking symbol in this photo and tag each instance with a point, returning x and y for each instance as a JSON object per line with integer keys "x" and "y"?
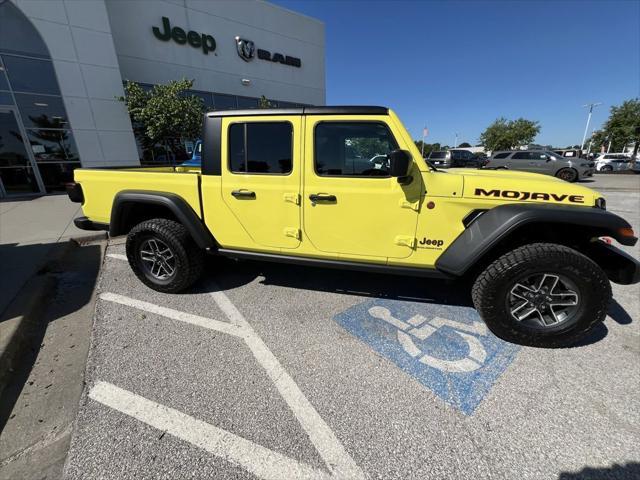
{"x": 446, "y": 348}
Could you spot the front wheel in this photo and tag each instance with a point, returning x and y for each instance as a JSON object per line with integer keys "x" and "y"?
{"x": 163, "y": 255}
{"x": 543, "y": 295}
{"x": 567, "y": 174}
{"x": 606, "y": 168}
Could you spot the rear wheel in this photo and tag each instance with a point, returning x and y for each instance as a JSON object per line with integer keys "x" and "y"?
{"x": 163, "y": 255}
{"x": 567, "y": 174}
{"x": 606, "y": 168}
{"x": 542, "y": 294}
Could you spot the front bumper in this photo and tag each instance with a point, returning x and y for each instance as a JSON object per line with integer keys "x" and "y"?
{"x": 83, "y": 223}
{"x": 619, "y": 266}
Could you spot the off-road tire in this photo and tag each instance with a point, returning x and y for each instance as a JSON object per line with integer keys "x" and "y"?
{"x": 189, "y": 258}
{"x": 568, "y": 174}
{"x": 493, "y": 286}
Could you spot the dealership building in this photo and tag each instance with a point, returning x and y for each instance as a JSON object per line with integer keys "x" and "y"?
{"x": 63, "y": 64}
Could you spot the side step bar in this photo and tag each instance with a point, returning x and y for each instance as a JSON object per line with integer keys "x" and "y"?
{"x": 339, "y": 264}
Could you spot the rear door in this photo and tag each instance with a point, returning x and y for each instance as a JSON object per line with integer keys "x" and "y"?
{"x": 352, "y": 207}
{"x": 261, "y": 177}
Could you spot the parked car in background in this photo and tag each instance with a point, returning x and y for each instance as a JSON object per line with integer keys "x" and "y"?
{"x": 196, "y": 156}
{"x": 455, "y": 158}
{"x": 612, "y": 162}
{"x": 544, "y": 162}
{"x": 571, "y": 153}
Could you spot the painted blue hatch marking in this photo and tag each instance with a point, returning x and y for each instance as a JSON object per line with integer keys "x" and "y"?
{"x": 446, "y": 348}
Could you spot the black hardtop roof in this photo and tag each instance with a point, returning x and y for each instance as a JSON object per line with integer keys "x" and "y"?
{"x": 334, "y": 110}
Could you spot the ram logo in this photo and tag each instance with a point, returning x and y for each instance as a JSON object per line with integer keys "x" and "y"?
{"x": 517, "y": 195}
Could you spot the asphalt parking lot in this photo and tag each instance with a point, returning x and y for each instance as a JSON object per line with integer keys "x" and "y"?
{"x": 274, "y": 371}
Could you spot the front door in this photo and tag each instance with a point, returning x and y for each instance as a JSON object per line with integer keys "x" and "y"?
{"x": 261, "y": 178}
{"x": 352, "y": 207}
{"x": 17, "y": 176}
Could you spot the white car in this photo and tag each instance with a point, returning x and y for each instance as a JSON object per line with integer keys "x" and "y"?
{"x": 610, "y": 162}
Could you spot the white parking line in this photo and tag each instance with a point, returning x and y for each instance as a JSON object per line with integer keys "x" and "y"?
{"x": 260, "y": 461}
{"x": 205, "y": 322}
{"x": 327, "y": 444}
{"x": 118, "y": 256}
{"x": 338, "y": 461}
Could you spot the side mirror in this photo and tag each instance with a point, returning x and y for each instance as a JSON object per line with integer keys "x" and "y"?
{"x": 399, "y": 163}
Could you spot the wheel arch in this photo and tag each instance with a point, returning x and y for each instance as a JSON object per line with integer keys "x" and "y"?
{"x": 131, "y": 207}
{"x": 507, "y": 227}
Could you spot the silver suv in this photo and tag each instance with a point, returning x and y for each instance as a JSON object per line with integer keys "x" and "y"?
{"x": 542, "y": 161}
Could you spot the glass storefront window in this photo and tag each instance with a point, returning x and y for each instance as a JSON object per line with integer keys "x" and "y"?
{"x": 52, "y": 145}
{"x": 207, "y": 98}
{"x": 56, "y": 175}
{"x": 6, "y": 98}
{"x": 17, "y": 35}
{"x": 31, "y": 75}
{"x": 224, "y": 102}
{"x": 247, "y": 102}
{"x": 18, "y": 180}
{"x": 42, "y": 111}
{"x": 4, "y": 85}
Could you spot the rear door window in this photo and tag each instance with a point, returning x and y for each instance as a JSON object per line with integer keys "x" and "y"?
{"x": 261, "y": 147}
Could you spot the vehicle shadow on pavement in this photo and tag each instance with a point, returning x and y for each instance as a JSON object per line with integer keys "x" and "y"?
{"x": 627, "y": 471}
{"x": 371, "y": 285}
{"x": 62, "y": 285}
{"x": 366, "y": 284}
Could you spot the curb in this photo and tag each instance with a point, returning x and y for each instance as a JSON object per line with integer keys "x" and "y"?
{"x": 21, "y": 315}
{"x": 85, "y": 239}
{"x": 20, "y": 320}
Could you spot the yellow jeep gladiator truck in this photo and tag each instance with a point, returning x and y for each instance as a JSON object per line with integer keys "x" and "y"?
{"x": 346, "y": 187}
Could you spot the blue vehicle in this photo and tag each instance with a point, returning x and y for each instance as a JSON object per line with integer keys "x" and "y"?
{"x": 196, "y": 156}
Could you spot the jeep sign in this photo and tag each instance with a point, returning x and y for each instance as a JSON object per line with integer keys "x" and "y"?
{"x": 195, "y": 39}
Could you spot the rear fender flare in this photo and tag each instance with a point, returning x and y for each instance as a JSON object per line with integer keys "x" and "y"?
{"x": 174, "y": 203}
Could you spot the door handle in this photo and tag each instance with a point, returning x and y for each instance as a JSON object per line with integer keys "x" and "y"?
{"x": 322, "y": 197}
{"x": 243, "y": 194}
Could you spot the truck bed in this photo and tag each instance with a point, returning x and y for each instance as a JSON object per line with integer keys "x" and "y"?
{"x": 100, "y": 186}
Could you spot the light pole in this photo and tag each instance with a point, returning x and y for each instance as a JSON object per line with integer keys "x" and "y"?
{"x": 455, "y": 143}
{"x": 586, "y": 129}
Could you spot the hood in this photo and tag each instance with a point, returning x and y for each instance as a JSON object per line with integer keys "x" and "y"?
{"x": 509, "y": 185}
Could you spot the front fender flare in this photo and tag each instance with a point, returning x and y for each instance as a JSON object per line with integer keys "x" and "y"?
{"x": 495, "y": 225}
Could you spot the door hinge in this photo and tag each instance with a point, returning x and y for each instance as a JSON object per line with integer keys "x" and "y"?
{"x": 405, "y": 241}
{"x": 412, "y": 205}
{"x": 292, "y": 232}
{"x": 292, "y": 198}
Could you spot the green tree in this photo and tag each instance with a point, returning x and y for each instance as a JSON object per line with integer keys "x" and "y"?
{"x": 464, "y": 145}
{"x": 505, "y": 134}
{"x": 619, "y": 129}
{"x": 428, "y": 147}
{"x": 264, "y": 103}
{"x": 164, "y": 115}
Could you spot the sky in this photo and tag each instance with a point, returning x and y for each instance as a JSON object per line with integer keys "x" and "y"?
{"x": 456, "y": 66}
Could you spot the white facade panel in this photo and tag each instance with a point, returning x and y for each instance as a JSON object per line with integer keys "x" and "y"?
{"x": 91, "y": 14}
{"x": 102, "y": 82}
{"x": 79, "y": 111}
{"x": 69, "y": 78}
{"x": 117, "y": 148}
{"x": 145, "y": 58}
{"x": 113, "y": 115}
{"x": 50, "y": 10}
{"x": 96, "y": 44}
{"x": 94, "y": 48}
{"x": 58, "y": 39}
